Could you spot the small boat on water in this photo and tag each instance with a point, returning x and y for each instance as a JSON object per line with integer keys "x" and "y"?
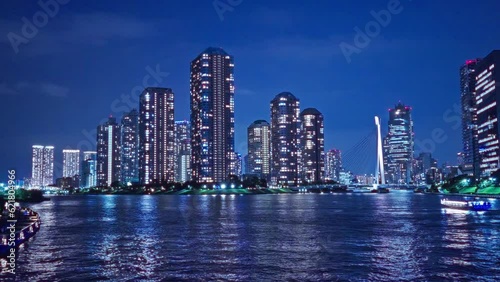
{"x": 419, "y": 190}
{"x": 359, "y": 190}
{"x": 380, "y": 189}
{"x": 477, "y": 206}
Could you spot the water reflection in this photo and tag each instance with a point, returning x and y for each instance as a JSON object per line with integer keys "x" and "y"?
{"x": 395, "y": 239}
{"x": 397, "y": 236}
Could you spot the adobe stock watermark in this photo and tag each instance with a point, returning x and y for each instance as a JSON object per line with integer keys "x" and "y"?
{"x": 125, "y": 103}
{"x": 30, "y": 28}
{"x": 438, "y": 135}
{"x": 372, "y": 29}
{"x": 11, "y": 221}
{"x": 223, "y": 6}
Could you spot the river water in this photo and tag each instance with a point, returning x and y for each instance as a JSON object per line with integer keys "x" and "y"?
{"x": 400, "y": 236}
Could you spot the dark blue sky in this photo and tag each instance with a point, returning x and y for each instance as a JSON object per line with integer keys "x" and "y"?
{"x": 64, "y": 80}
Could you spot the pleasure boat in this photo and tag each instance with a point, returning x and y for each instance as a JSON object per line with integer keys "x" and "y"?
{"x": 478, "y": 206}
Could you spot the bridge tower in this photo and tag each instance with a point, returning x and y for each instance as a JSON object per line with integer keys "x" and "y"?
{"x": 380, "y": 156}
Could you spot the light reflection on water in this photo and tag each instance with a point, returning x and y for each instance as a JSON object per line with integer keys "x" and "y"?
{"x": 377, "y": 237}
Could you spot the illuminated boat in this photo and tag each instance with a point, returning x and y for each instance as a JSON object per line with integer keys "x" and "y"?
{"x": 479, "y": 206}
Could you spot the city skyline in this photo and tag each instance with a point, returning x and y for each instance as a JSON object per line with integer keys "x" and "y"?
{"x": 149, "y": 147}
{"x": 439, "y": 114}
{"x": 233, "y": 140}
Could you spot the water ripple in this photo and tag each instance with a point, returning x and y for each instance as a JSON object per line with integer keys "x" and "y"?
{"x": 392, "y": 237}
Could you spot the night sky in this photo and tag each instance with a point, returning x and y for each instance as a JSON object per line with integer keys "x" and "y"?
{"x": 72, "y": 74}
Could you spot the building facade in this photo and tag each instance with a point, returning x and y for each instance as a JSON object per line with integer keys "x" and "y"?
{"x": 421, "y": 164}
{"x": 399, "y": 145}
{"x": 157, "y": 136}
{"x": 42, "y": 173}
{"x": 71, "y": 162}
{"x": 469, "y": 117}
{"x": 333, "y": 165}
{"x": 312, "y": 146}
{"x": 89, "y": 169}
{"x": 236, "y": 165}
{"x": 285, "y": 130}
{"x": 182, "y": 151}
{"x": 487, "y": 108}
{"x": 259, "y": 149}
{"x": 130, "y": 147}
{"x": 108, "y": 153}
{"x": 212, "y": 115}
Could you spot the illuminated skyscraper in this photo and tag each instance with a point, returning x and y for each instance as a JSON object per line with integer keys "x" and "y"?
{"x": 71, "y": 162}
{"x": 285, "y": 130}
{"x": 37, "y": 166}
{"x": 333, "y": 165}
{"x": 130, "y": 147}
{"x": 212, "y": 115}
{"x": 182, "y": 151}
{"x": 157, "y": 136}
{"x": 487, "y": 106}
{"x": 469, "y": 117}
{"x": 399, "y": 145}
{"x": 236, "y": 164}
{"x": 89, "y": 173}
{"x": 42, "y": 173}
{"x": 259, "y": 149}
{"x": 108, "y": 153}
{"x": 312, "y": 146}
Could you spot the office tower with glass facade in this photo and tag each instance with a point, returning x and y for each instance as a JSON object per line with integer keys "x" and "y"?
{"x": 42, "y": 173}
{"x": 259, "y": 149}
{"x": 469, "y": 116}
{"x": 157, "y": 136}
{"x": 130, "y": 147}
{"x": 236, "y": 165}
{"x": 399, "y": 145}
{"x": 285, "y": 130}
{"x": 89, "y": 169}
{"x": 71, "y": 162}
{"x": 487, "y": 108}
{"x": 182, "y": 151}
{"x": 212, "y": 115}
{"x": 312, "y": 146}
{"x": 333, "y": 165}
{"x": 108, "y": 153}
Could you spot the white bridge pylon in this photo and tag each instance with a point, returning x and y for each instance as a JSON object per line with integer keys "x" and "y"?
{"x": 380, "y": 156}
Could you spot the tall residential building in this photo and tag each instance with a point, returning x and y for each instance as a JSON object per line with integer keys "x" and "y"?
{"x": 108, "y": 153}
{"x": 182, "y": 151}
{"x": 399, "y": 145}
{"x": 42, "y": 173}
{"x": 71, "y": 162}
{"x": 469, "y": 116}
{"x": 285, "y": 130}
{"x": 312, "y": 146}
{"x": 212, "y": 115}
{"x": 130, "y": 147}
{"x": 333, "y": 165}
{"x": 259, "y": 149}
{"x": 89, "y": 169}
{"x": 157, "y": 136}
{"x": 487, "y": 106}
{"x": 37, "y": 166}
